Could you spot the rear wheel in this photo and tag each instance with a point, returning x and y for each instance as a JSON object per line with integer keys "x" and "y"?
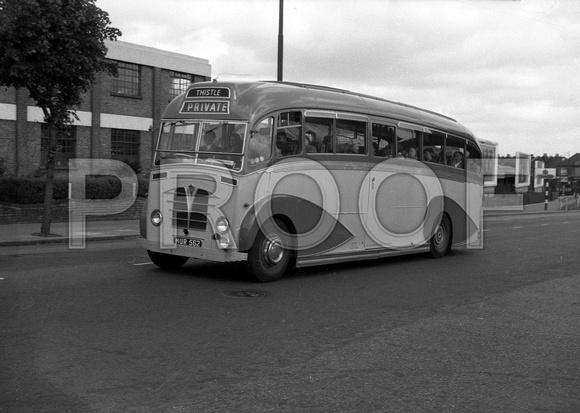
{"x": 441, "y": 241}
{"x": 269, "y": 257}
{"x": 167, "y": 261}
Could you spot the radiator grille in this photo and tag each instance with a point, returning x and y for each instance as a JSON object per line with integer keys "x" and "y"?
{"x": 190, "y": 208}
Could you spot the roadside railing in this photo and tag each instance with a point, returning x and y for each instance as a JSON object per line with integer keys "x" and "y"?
{"x": 567, "y": 202}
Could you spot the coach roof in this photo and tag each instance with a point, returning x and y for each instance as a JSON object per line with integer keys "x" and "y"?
{"x": 252, "y": 100}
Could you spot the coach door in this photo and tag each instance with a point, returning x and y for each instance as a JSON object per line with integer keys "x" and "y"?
{"x": 402, "y": 199}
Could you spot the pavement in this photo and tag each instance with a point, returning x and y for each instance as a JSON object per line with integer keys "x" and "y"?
{"x": 60, "y": 232}
{"x": 508, "y": 204}
{"x": 29, "y": 233}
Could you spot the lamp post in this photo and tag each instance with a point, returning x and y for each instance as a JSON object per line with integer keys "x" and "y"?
{"x": 281, "y": 41}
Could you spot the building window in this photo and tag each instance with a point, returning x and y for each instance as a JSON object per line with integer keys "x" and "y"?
{"x": 128, "y": 83}
{"x": 198, "y": 78}
{"x": 125, "y": 146}
{"x": 66, "y": 148}
{"x": 179, "y": 83}
{"x": 524, "y": 167}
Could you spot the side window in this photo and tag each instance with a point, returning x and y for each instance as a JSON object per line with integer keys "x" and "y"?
{"x": 350, "y": 136}
{"x": 260, "y": 142}
{"x": 289, "y": 134}
{"x": 318, "y": 135}
{"x": 408, "y": 144}
{"x": 433, "y": 147}
{"x": 473, "y": 158}
{"x": 384, "y": 140}
{"x": 455, "y": 152}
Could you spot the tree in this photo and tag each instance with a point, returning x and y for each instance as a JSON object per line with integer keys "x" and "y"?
{"x": 54, "y": 49}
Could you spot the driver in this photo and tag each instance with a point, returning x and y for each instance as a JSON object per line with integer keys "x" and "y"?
{"x": 208, "y": 143}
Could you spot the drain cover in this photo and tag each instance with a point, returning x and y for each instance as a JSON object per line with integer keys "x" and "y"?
{"x": 247, "y": 293}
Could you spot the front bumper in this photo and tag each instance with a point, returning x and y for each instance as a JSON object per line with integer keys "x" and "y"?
{"x": 198, "y": 253}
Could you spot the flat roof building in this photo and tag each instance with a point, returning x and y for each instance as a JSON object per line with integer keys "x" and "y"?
{"x": 118, "y": 118}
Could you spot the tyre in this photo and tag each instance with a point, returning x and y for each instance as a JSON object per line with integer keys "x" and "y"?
{"x": 167, "y": 261}
{"x": 440, "y": 243}
{"x": 269, "y": 257}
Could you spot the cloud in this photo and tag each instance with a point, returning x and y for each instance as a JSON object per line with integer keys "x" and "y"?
{"x": 507, "y": 70}
{"x": 571, "y": 32}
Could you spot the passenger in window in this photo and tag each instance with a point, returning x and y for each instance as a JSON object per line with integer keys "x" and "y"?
{"x": 411, "y": 153}
{"x": 281, "y": 141}
{"x": 326, "y": 146}
{"x": 208, "y": 143}
{"x": 235, "y": 143}
{"x": 429, "y": 155}
{"x": 457, "y": 160}
{"x": 386, "y": 150}
{"x": 348, "y": 147}
{"x": 309, "y": 138}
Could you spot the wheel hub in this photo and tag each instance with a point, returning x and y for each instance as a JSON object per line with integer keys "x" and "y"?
{"x": 273, "y": 250}
{"x": 439, "y": 235}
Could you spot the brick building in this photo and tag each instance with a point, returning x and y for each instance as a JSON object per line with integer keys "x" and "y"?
{"x": 118, "y": 118}
{"x": 568, "y": 175}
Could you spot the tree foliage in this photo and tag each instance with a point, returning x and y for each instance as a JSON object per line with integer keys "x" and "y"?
{"x": 53, "y": 48}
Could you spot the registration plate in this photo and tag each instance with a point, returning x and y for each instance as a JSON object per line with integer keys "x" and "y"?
{"x": 188, "y": 242}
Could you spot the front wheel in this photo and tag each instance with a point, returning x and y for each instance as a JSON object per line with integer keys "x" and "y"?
{"x": 167, "y": 261}
{"x": 269, "y": 257}
{"x": 441, "y": 241}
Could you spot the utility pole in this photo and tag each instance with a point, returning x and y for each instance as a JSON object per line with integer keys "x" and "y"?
{"x": 281, "y": 41}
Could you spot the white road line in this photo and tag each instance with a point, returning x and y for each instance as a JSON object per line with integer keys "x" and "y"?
{"x": 544, "y": 225}
{"x": 517, "y": 227}
{"x": 143, "y": 263}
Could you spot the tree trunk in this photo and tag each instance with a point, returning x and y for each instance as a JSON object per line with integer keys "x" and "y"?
{"x": 49, "y": 186}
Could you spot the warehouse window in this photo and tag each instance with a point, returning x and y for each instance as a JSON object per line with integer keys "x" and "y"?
{"x": 179, "y": 83}
{"x": 66, "y": 148}
{"x": 125, "y": 146}
{"x": 128, "y": 83}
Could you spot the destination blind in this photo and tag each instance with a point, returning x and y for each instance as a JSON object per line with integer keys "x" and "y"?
{"x": 206, "y": 107}
{"x": 207, "y": 100}
{"x": 209, "y": 92}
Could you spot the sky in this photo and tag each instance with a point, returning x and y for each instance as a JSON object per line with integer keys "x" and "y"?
{"x": 507, "y": 70}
